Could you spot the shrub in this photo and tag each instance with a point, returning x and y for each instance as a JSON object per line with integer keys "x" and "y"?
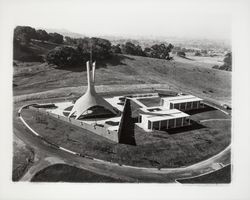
{"x": 181, "y": 54}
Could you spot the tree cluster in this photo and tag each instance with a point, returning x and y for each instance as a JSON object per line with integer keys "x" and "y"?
{"x": 160, "y": 51}
{"x": 24, "y": 34}
{"x": 227, "y": 63}
{"x": 131, "y": 49}
{"x": 64, "y": 56}
{"x": 79, "y": 51}
{"x": 181, "y": 54}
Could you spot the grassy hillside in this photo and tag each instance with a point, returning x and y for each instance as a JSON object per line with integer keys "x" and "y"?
{"x": 121, "y": 70}
{"x": 35, "y": 51}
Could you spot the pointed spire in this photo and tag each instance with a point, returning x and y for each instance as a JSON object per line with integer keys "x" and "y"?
{"x": 91, "y": 53}
{"x": 88, "y": 74}
{"x": 93, "y": 72}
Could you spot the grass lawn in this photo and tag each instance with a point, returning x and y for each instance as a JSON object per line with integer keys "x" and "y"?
{"x": 220, "y": 176}
{"x": 156, "y": 149}
{"x": 66, "y": 173}
{"x": 209, "y": 114}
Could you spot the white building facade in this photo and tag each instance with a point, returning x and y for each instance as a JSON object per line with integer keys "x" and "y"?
{"x": 182, "y": 102}
{"x": 160, "y": 118}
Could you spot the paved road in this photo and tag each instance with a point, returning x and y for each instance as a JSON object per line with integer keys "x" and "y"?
{"x": 46, "y": 156}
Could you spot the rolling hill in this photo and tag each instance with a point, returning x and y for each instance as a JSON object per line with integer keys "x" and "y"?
{"x": 181, "y": 74}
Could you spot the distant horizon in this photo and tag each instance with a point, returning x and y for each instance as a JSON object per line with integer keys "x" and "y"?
{"x": 150, "y": 19}
{"x": 131, "y": 36}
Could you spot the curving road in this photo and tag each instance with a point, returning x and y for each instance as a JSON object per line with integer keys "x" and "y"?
{"x": 47, "y": 155}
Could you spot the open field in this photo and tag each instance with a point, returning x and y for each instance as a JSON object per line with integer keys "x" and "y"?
{"x": 23, "y": 157}
{"x": 157, "y": 149}
{"x": 202, "y": 61}
{"x": 66, "y": 173}
{"x": 220, "y": 176}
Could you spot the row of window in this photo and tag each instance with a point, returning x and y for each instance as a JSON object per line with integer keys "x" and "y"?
{"x": 167, "y": 124}
{"x": 185, "y": 106}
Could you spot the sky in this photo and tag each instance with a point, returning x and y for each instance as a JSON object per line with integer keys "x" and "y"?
{"x": 179, "y": 18}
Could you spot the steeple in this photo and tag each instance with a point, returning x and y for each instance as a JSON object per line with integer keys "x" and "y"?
{"x": 90, "y": 99}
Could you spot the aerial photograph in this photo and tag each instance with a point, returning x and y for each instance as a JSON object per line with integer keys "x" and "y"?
{"x": 122, "y": 93}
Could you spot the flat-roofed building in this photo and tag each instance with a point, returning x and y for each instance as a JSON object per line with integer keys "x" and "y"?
{"x": 182, "y": 102}
{"x": 160, "y": 118}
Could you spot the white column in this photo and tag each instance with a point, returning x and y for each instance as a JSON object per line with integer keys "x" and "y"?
{"x": 174, "y": 122}
{"x": 159, "y": 125}
{"x": 93, "y": 72}
{"x": 197, "y": 104}
{"x": 179, "y": 106}
{"x": 182, "y": 121}
{"x": 186, "y": 106}
{"x": 192, "y": 104}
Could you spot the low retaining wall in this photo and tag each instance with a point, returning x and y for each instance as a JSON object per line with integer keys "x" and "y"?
{"x": 111, "y": 135}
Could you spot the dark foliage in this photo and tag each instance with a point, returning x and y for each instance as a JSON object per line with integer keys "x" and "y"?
{"x": 42, "y": 35}
{"x": 65, "y": 56}
{"x": 100, "y": 48}
{"x": 132, "y": 49}
{"x": 181, "y": 54}
{"x": 160, "y": 51}
{"x": 116, "y": 48}
{"x": 56, "y": 38}
{"x": 227, "y": 66}
{"x": 24, "y": 34}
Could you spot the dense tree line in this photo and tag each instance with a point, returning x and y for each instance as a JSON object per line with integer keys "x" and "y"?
{"x": 78, "y": 50}
{"x": 73, "y": 51}
{"x": 155, "y": 51}
{"x": 65, "y": 56}
{"x": 24, "y": 34}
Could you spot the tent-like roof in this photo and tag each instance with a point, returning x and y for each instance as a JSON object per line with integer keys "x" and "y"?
{"x": 90, "y": 98}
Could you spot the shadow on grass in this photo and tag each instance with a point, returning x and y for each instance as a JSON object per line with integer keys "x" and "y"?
{"x": 186, "y": 58}
{"x": 201, "y": 110}
{"x": 194, "y": 126}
